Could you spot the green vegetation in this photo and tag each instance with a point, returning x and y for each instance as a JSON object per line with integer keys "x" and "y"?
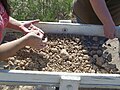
{"x": 45, "y": 10}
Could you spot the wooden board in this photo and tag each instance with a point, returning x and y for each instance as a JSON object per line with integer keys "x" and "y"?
{"x": 74, "y": 28}
{"x": 88, "y": 80}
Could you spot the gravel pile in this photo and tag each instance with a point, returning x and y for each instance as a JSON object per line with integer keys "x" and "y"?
{"x": 65, "y": 53}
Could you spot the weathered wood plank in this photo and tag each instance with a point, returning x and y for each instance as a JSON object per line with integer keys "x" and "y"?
{"x": 88, "y": 80}
{"x": 74, "y": 28}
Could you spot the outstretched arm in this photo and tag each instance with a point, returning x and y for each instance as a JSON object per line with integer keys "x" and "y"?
{"x": 14, "y": 24}
{"x": 31, "y": 39}
{"x": 10, "y": 48}
{"x": 101, "y": 10}
{"x": 23, "y": 27}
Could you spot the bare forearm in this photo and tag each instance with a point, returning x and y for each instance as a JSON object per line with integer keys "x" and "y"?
{"x": 14, "y": 24}
{"x": 10, "y": 48}
{"x": 102, "y": 11}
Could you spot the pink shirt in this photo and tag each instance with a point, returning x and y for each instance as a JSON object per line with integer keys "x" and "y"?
{"x": 4, "y": 18}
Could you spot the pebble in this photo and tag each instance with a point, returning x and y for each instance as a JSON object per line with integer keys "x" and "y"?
{"x": 85, "y": 51}
{"x": 64, "y": 52}
{"x": 95, "y": 56}
{"x": 94, "y": 67}
{"x": 100, "y": 61}
{"x": 92, "y": 52}
{"x": 54, "y": 50}
{"x": 10, "y": 63}
{"x": 99, "y": 52}
{"x": 6, "y": 66}
{"x": 94, "y": 47}
{"x": 86, "y": 57}
{"x": 27, "y": 47}
{"x": 42, "y": 53}
{"x": 95, "y": 39}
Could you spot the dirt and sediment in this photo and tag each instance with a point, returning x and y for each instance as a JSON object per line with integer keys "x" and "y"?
{"x": 64, "y": 53}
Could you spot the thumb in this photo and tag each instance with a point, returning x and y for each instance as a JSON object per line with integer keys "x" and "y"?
{"x": 45, "y": 40}
{"x": 35, "y": 21}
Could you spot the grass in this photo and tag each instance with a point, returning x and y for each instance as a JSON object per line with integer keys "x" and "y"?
{"x": 45, "y": 10}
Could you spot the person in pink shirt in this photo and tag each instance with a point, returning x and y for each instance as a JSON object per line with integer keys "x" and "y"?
{"x": 32, "y": 37}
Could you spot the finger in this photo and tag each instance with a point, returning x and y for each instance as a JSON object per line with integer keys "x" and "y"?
{"x": 111, "y": 37}
{"x": 28, "y": 23}
{"x": 39, "y": 47}
{"x": 41, "y": 31}
{"x": 36, "y": 28}
{"x": 40, "y": 35}
{"x": 45, "y": 40}
{"x": 43, "y": 44}
{"x": 34, "y": 21}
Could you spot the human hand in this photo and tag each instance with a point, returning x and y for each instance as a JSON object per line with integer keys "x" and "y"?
{"x": 35, "y": 41}
{"x": 30, "y": 27}
{"x": 28, "y": 23}
{"x": 109, "y": 31}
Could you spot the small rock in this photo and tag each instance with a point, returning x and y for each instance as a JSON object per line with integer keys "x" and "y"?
{"x": 92, "y": 71}
{"x": 21, "y": 63}
{"x": 80, "y": 47}
{"x": 64, "y": 52}
{"x": 99, "y": 52}
{"x": 80, "y": 58}
{"x": 112, "y": 66}
{"x": 11, "y": 58}
{"x": 42, "y": 53}
{"x": 92, "y": 60}
{"x": 10, "y": 63}
{"x": 85, "y": 51}
{"x": 94, "y": 47}
{"x": 100, "y": 61}
{"x": 103, "y": 71}
{"x": 86, "y": 57}
{"x": 77, "y": 40}
{"x": 93, "y": 52}
{"x": 77, "y": 47}
{"x": 54, "y": 50}
{"x": 68, "y": 62}
{"x": 82, "y": 54}
{"x": 95, "y": 56}
{"x": 95, "y": 39}
{"x": 109, "y": 58}
{"x": 27, "y": 47}
{"x": 105, "y": 54}
{"x": 77, "y": 64}
{"x": 26, "y": 88}
{"x": 6, "y": 67}
{"x": 107, "y": 67}
{"x": 94, "y": 67}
